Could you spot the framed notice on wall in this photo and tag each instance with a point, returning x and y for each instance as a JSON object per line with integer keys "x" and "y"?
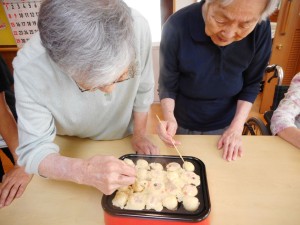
{"x": 22, "y": 16}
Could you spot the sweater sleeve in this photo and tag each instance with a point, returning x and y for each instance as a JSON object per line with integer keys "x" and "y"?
{"x": 254, "y": 73}
{"x": 36, "y": 129}
{"x": 145, "y": 93}
{"x": 168, "y": 63}
{"x": 289, "y": 108}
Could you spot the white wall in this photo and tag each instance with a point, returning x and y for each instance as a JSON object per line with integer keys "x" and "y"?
{"x": 155, "y": 48}
{"x": 182, "y": 3}
{"x": 155, "y": 57}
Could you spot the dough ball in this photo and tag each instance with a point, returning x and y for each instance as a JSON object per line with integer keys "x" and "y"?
{"x": 139, "y": 185}
{"x": 136, "y": 201}
{"x": 172, "y": 175}
{"x": 142, "y": 164}
{"x": 173, "y": 166}
{"x": 191, "y": 178}
{"x": 127, "y": 189}
{"x": 142, "y": 174}
{"x": 170, "y": 202}
{"x": 157, "y": 175}
{"x": 188, "y": 166}
{"x": 154, "y": 202}
{"x": 129, "y": 162}
{"x": 179, "y": 182}
{"x": 190, "y": 190}
{"x": 156, "y": 186}
{"x": 173, "y": 189}
{"x": 190, "y": 203}
{"x": 156, "y": 166}
{"x": 120, "y": 199}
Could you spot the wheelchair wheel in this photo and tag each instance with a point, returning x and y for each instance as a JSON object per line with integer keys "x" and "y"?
{"x": 255, "y": 126}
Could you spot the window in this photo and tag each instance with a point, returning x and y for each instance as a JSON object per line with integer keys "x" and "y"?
{"x": 151, "y": 11}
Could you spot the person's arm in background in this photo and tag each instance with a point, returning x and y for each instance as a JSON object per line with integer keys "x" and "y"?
{"x": 144, "y": 98}
{"x": 232, "y": 136}
{"x": 16, "y": 180}
{"x": 140, "y": 143}
{"x": 231, "y": 140}
{"x": 291, "y": 135}
{"x": 167, "y": 128}
{"x": 284, "y": 117}
{"x": 168, "y": 82}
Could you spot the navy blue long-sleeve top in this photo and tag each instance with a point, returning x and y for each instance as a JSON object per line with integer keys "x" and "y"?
{"x": 207, "y": 80}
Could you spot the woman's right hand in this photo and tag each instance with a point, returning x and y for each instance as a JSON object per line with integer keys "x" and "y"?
{"x": 107, "y": 173}
{"x": 166, "y": 131}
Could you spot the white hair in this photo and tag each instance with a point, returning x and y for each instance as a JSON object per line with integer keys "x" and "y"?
{"x": 91, "y": 40}
{"x": 269, "y": 9}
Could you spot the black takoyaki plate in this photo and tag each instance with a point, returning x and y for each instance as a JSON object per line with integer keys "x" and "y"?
{"x": 180, "y": 213}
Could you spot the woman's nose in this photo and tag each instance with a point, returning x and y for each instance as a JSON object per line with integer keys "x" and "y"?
{"x": 230, "y": 31}
{"x": 108, "y": 89}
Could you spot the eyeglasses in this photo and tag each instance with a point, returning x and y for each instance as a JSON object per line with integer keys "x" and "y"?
{"x": 130, "y": 73}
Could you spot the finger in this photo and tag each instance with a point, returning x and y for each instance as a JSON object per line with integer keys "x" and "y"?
{"x": 154, "y": 150}
{"x": 120, "y": 167}
{"x": 235, "y": 153}
{"x": 230, "y": 153}
{"x": 21, "y": 190}
{"x": 220, "y": 143}
{"x": 12, "y": 194}
{"x": 171, "y": 129}
{"x": 177, "y": 142}
{"x": 162, "y": 130}
{"x": 127, "y": 170}
{"x": 167, "y": 140}
{"x": 125, "y": 180}
{"x": 225, "y": 150}
{"x": 164, "y": 135}
{"x": 144, "y": 150}
{"x": 109, "y": 189}
{"x": 4, "y": 194}
{"x": 240, "y": 151}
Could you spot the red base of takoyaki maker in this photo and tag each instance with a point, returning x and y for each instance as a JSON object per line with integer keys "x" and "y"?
{"x": 116, "y": 216}
{"x": 113, "y": 220}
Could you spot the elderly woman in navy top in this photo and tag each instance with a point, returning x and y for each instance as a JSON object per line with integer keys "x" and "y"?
{"x": 212, "y": 59}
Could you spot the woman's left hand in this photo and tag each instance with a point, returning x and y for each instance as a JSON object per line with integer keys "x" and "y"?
{"x": 142, "y": 145}
{"x": 231, "y": 143}
{"x": 13, "y": 186}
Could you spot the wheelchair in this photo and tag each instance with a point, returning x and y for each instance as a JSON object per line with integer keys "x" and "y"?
{"x": 255, "y": 126}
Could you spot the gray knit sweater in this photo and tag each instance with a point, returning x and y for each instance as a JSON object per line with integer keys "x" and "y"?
{"x": 50, "y": 103}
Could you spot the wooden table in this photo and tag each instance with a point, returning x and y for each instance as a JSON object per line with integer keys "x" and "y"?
{"x": 263, "y": 187}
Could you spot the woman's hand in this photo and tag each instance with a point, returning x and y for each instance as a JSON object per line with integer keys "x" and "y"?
{"x": 142, "y": 145}
{"x": 107, "y": 173}
{"x": 14, "y": 185}
{"x": 231, "y": 143}
{"x": 166, "y": 131}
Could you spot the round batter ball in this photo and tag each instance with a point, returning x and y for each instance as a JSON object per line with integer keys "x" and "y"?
{"x": 190, "y": 203}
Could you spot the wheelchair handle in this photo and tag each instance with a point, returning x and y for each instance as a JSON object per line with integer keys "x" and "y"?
{"x": 278, "y": 73}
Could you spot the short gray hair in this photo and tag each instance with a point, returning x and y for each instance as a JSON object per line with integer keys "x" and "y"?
{"x": 92, "y": 41}
{"x": 270, "y": 7}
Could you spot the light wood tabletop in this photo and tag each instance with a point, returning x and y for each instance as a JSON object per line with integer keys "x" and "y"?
{"x": 262, "y": 187}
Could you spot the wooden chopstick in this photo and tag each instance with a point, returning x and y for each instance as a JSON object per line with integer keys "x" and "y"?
{"x": 171, "y": 140}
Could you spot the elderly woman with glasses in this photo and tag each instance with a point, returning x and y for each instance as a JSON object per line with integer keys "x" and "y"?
{"x": 87, "y": 73}
{"x": 212, "y": 58}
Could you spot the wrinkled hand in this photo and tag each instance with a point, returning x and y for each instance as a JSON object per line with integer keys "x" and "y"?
{"x": 107, "y": 173}
{"x": 231, "y": 143}
{"x": 142, "y": 145}
{"x": 14, "y": 185}
{"x": 166, "y": 131}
